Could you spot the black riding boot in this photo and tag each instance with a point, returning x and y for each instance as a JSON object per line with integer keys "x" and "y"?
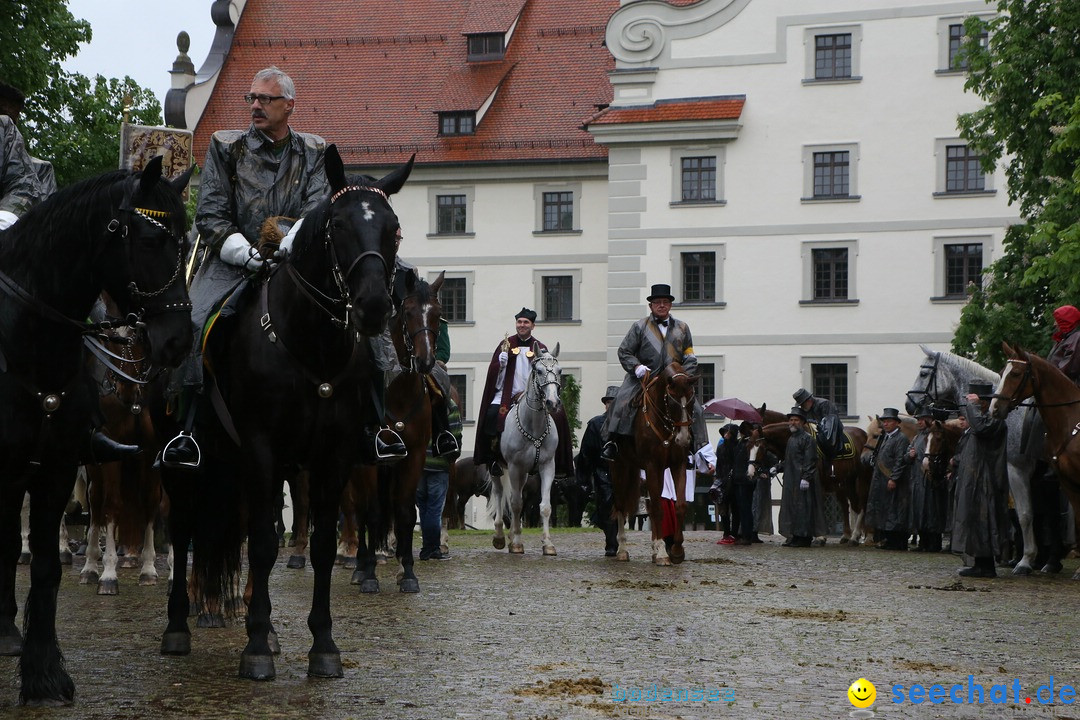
{"x": 443, "y": 441}
{"x": 100, "y": 448}
{"x": 381, "y": 445}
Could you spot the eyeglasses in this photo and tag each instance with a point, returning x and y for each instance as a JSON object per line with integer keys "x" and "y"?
{"x": 263, "y": 99}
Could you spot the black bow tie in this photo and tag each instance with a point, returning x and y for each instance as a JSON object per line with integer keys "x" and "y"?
{"x": 662, "y": 323}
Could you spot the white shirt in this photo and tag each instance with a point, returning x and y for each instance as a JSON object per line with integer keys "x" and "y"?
{"x": 521, "y": 375}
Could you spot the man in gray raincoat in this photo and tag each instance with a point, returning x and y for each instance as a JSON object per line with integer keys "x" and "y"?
{"x": 19, "y": 187}
{"x": 651, "y": 344}
{"x": 889, "y": 503}
{"x": 980, "y": 520}
{"x": 802, "y": 504}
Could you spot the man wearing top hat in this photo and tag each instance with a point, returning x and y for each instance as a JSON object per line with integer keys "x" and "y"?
{"x": 651, "y": 344}
{"x": 929, "y": 494}
{"x": 507, "y": 374}
{"x": 823, "y": 413}
{"x": 888, "y": 486}
{"x": 802, "y": 504}
{"x": 591, "y": 466}
{"x": 981, "y": 526}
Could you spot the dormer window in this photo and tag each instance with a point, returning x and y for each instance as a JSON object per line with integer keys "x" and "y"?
{"x": 457, "y": 123}
{"x": 487, "y": 46}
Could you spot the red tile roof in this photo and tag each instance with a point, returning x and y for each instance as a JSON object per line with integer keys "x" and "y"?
{"x": 728, "y": 107}
{"x": 370, "y": 76}
{"x": 491, "y": 16}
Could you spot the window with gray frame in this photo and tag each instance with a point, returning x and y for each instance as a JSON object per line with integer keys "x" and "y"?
{"x": 830, "y": 273}
{"x": 450, "y": 214}
{"x": 488, "y": 46}
{"x": 706, "y": 383}
{"x": 558, "y": 298}
{"x": 963, "y": 266}
{"x": 957, "y": 37}
{"x": 830, "y": 381}
{"x": 460, "y": 383}
{"x": 699, "y": 179}
{"x": 832, "y": 174}
{"x": 832, "y": 56}
{"x": 699, "y": 277}
{"x": 558, "y": 211}
{"x": 963, "y": 173}
{"x": 458, "y": 123}
{"x": 453, "y": 298}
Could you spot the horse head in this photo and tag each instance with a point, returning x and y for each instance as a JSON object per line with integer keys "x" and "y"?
{"x": 421, "y": 314}
{"x": 140, "y": 262}
{"x": 360, "y": 233}
{"x": 679, "y": 400}
{"x": 1017, "y": 381}
{"x": 547, "y": 376}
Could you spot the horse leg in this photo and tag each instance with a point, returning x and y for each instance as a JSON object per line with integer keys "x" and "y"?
{"x": 653, "y": 477}
{"x": 404, "y": 520}
{"x": 181, "y": 491}
{"x": 676, "y": 551}
{"x": 495, "y": 509}
{"x": 547, "y": 477}
{"x": 91, "y": 571}
{"x": 516, "y": 480}
{"x": 10, "y": 543}
{"x": 299, "y": 489}
{"x": 44, "y": 679}
{"x": 1020, "y": 487}
{"x": 63, "y": 548}
{"x": 109, "y": 583}
{"x": 324, "y": 658}
{"x": 444, "y": 537}
{"x": 148, "y": 574}
{"x": 24, "y": 555}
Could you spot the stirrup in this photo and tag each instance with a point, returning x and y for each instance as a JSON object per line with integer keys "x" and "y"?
{"x": 390, "y": 455}
{"x": 446, "y": 438}
{"x": 182, "y": 464}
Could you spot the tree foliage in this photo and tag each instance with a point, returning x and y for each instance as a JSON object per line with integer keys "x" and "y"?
{"x": 69, "y": 119}
{"x": 571, "y": 400}
{"x": 1029, "y": 75}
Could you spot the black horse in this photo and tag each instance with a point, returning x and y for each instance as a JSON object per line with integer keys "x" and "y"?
{"x": 293, "y": 367}
{"x": 122, "y": 233}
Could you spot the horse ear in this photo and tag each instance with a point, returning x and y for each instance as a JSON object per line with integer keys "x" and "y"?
{"x": 335, "y": 168}
{"x": 556, "y": 353}
{"x": 1009, "y": 351}
{"x": 150, "y": 175}
{"x": 178, "y": 184}
{"x": 436, "y": 285}
{"x": 394, "y": 181}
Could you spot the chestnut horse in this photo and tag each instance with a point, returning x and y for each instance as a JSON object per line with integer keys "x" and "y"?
{"x": 1058, "y": 401}
{"x": 661, "y": 441}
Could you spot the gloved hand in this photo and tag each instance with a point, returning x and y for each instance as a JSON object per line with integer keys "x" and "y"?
{"x": 774, "y": 470}
{"x": 640, "y": 371}
{"x": 804, "y": 484}
{"x": 285, "y": 247}
{"x": 503, "y": 357}
{"x": 236, "y": 250}
{"x": 7, "y": 219}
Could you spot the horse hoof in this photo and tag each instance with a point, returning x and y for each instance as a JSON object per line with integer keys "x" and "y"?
{"x": 498, "y": 543}
{"x": 296, "y": 562}
{"x": 677, "y": 554}
{"x": 325, "y": 665}
{"x": 11, "y": 645}
{"x": 517, "y": 548}
{"x": 176, "y": 643}
{"x": 349, "y": 563}
{"x": 817, "y": 542}
{"x": 24, "y": 558}
{"x": 380, "y": 560}
{"x": 89, "y": 577}
{"x": 409, "y": 585}
{"x": 622, "y": 556}
{"x": 662, "y": 561}
{"x": 356, "y": 578}
{"x": 1022, "y": 569}
{"x": 257, "y": 667}
{"x": 128, "y": 562}
{"x": 844, "y": 540}
{"x": 272, "y": 641}
{"x": 550, "y": 550}
{"x": 369, "y": 585}
{"x": 146, "y": 580}
{"x": 65, "y": 557}
{"x": 444, "y": 549}
{"x": 108, "y": 587}
{"x": 210, "y": 620}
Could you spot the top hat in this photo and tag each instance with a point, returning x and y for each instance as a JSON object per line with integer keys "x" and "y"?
{"x": 612, "y": 390}
{"x": 797, "y": 412}
{"x": 526, "y": 313}
{"x": 801, "y": 395}
{"x": 925, "y": 411}
{"x": 982, "y": 389}
{"x": 890, "y": 414}
{"x": 659, "y": 292}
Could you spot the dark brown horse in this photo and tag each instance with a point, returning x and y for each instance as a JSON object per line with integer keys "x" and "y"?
{"x": 661, "y": 441}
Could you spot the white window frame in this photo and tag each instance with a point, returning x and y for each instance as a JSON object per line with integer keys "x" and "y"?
{"x": 433, "y": 204}
{"x": 810, "y": 45}
{"x": 467, "y": 418}
{"x": 720, "y": 251}
{"x": 538, "y": 202}
{"x": 941, "y": 172}
{"x": 806, "y": 363}
{"x": 470, "y": 281}
{"x": 538, "y": 295}
{"x": 940, "y": 242}
{"x": 807, "y": 249}
{"x": 853, "y": 172}
{"x": 677, "y": 155}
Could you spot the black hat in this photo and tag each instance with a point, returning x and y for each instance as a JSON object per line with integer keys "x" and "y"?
{"x": 982, "y": 389}
{"x": 797, "y": 412}
{"x": 612, "y": 391}
{"x": 801, "y": 395}
{"x": 526, "y": 313}
{"x": 924, "y": 411}
{"x": 659, "y": 292}
{"x": 890, "y": 414}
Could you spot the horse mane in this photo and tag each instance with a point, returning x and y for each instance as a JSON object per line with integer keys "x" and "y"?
{"x": 970, "y": 367}
{"x": 315, "y": 220}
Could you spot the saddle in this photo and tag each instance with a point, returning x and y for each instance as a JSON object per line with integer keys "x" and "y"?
{"x": 847, "y": 452}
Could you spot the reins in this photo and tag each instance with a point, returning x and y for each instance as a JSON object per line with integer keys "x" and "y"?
{"x": 537, "y": 387}
{"x": 663, "y": 419}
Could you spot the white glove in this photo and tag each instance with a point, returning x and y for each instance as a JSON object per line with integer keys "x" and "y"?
{"x": 236, "y": 250}
{"x": 804, "y": 484}
{"x": 7, "y": 219}
{"x": 503, "y": 357}
{"x": 640, "y": 371}
{"x": 285, "y": 248}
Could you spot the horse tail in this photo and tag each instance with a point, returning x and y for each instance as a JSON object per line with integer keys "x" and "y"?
{"x": 217, "y": 540}
{"x": 498, "y": 494}
{"x": 382, "y": 519}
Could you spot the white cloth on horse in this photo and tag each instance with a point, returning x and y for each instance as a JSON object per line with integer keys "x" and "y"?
{"x": 698, "y": 462}
{"x": 521, "y": 376}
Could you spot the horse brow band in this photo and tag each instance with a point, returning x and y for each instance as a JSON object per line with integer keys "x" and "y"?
{"x": 153, "y": 213}
{"x": 347, "y": 188}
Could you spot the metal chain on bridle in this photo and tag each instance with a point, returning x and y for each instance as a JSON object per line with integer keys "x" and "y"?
{"x": 546, "y": 364}
{"x": 663, "y": 417}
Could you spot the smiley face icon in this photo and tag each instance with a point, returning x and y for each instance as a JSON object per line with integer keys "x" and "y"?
{"x": 862, "y": 693}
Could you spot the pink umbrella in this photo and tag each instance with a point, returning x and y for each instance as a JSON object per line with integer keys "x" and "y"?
{"x": 733, "y": 409}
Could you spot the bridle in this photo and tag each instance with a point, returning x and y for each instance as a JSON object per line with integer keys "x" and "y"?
{"x": 546, "y": 364}
{"x": 410, "y": 337}
{"x": 932, "y": 396}
{"x": 663, "y": 417}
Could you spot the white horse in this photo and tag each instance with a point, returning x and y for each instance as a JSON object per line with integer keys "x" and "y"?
{"x": 528, "y": 444}
{"x": 943, "y": 380}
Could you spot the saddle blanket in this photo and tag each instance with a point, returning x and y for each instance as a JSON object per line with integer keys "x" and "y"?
{"x": 846, "y": 453}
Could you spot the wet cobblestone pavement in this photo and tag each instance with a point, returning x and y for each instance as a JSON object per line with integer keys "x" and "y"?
{"x": 781, "y": 632}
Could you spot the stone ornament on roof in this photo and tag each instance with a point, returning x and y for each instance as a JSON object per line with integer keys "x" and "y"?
{"x": 640, "y": 32}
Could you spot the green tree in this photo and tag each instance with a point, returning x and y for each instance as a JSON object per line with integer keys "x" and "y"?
{"x": 571, "y": 400}
{"x": 1029, "y": 75}
{"x": 69, "y": 119}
